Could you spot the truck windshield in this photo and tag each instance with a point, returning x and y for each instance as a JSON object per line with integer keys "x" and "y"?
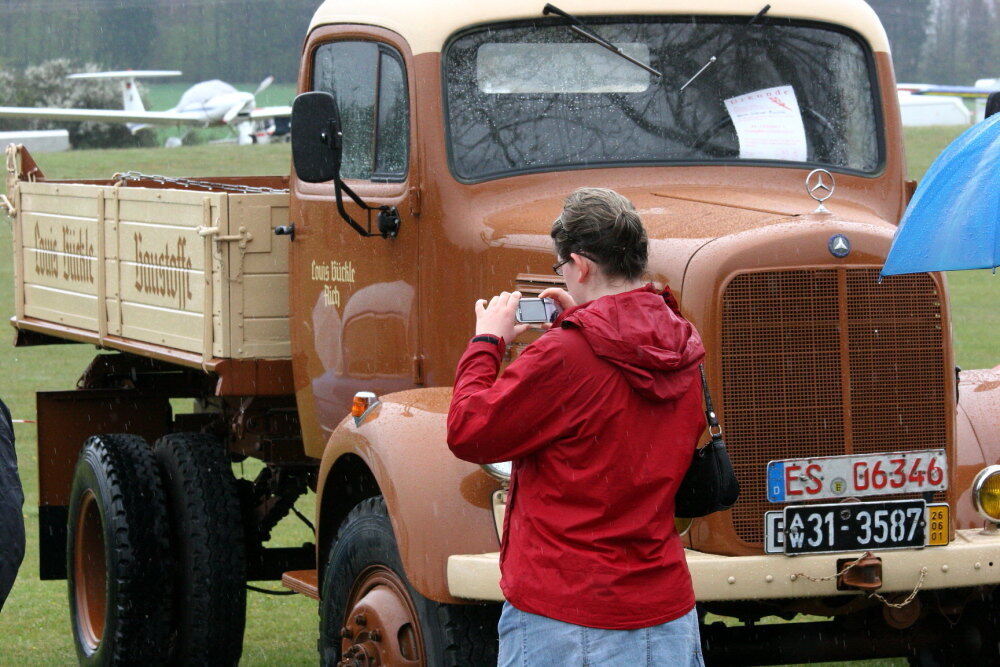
{"x": 532, "y": 96}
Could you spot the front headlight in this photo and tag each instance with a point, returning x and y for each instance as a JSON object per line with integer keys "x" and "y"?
{"x": 986, "y": 493}
{"x": 499, "y": 471}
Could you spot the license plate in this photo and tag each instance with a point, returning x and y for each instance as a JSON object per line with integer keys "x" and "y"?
{"x": 855, "y": 476}
{"x": 895, "y": 524}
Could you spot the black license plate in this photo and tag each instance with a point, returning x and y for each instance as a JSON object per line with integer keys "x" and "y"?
{"x": 896, "y": 524}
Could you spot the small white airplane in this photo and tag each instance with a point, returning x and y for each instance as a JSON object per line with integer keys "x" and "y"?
{"x": 204, "y": 104}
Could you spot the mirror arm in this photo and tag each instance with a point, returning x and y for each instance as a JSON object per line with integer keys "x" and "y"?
{"x": 339, "y": 187}
{"x": 388, "y": 216}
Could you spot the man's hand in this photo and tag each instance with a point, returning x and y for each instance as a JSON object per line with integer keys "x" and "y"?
{"x": 497, "y": 318}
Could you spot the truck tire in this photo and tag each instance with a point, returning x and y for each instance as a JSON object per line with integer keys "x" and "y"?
{"x": 388, "y": 622}
{"x": 118, "y": 564}
{"x": 206, "y": 531}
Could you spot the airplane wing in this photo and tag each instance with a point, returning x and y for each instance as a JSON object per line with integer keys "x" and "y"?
{"x": 270, "y": 112}
{"x": 107, "y": 115}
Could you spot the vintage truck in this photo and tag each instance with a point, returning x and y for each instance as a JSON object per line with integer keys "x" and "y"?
{"x": 316, "y": 321}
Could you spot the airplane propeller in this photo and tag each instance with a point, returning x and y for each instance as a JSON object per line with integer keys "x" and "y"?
{"x": 246, "y": 103}
{"x": 263, "y": 85}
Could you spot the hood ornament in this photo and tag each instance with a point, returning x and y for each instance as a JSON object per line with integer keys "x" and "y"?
{"x": 820, "y": 185}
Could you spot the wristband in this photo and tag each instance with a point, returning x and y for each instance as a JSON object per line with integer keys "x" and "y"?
{"x": 487, "y": 338}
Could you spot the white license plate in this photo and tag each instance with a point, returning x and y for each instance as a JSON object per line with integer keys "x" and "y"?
{"x": 857, "y": 475}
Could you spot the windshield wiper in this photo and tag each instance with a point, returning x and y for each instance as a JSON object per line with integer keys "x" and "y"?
{"x": 728, "y": 44}
{"x": 580, "y": 28}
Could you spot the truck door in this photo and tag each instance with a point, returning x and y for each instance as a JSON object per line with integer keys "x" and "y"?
{"x": 354, "y": 298}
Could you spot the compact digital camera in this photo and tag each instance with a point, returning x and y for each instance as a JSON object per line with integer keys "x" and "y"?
{"x": 536, "y": 311}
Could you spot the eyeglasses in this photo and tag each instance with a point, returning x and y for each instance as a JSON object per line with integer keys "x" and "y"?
{"x": 557, "y": 268}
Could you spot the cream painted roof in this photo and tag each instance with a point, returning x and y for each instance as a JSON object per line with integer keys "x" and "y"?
{"x": 426, "y": 24}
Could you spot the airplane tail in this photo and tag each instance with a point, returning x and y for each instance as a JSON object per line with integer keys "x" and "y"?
{"x": 131, "y": 101}
{"x": 130, "y": 96}
{"x": 130, "y": 91}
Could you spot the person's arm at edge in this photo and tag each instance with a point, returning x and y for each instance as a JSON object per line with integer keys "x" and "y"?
{"x": 11, "y": 501}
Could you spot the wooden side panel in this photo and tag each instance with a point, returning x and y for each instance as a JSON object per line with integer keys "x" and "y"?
{"x": 57, "y": 252}
{"x": 170, "y": 258}
{"x": 258, "y": 276}
{"x": 162, "y": 262}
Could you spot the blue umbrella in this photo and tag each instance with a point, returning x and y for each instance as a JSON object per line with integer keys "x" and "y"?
{"x": 953, "y": 220}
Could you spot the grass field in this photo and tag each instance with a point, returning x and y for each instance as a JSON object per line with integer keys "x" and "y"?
{"x": 34, "y": 625}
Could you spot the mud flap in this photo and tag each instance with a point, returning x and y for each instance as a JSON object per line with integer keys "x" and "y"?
{"x": 65, "y": 420}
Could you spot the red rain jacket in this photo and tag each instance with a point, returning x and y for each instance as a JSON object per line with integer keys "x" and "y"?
{"x": 600, "y": 416}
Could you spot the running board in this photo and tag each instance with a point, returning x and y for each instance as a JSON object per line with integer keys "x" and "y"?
{"x": 301, "y": 581}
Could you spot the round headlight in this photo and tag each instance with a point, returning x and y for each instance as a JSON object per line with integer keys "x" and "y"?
{"x": 986, "y": 493}
{"x": 682, "y": 525}
{"x": 500, "y": 471}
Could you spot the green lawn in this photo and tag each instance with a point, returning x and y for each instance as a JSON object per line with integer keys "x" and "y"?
{"x": 34, "y": 625}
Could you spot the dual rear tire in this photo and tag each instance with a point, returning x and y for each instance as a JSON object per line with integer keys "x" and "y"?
{"x": 155, "y": 553}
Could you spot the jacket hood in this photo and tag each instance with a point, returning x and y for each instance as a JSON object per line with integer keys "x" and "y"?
{"x": 643, "y": 335}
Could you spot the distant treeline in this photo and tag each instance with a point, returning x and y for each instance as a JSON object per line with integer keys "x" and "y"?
{"x": 235, "y": 40}
{"x": 943, "y": 41}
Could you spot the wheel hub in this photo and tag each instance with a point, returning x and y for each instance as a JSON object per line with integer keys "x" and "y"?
{"x": 381, "y": 625}
{"x": 89, "y": 572}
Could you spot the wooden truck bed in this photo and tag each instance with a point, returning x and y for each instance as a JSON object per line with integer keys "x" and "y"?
{"x": 137, "y": 263}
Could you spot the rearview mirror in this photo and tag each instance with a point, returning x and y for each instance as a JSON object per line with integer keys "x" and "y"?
{"x": 317, "y": 140}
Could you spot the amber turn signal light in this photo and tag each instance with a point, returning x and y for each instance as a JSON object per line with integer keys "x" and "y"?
{"x": 986, "y": 493}
{"x": 363, "y": 402}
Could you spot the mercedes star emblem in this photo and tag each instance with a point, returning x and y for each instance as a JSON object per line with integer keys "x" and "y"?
{"x": 839, "y": 245}
{"x": 820, "y": 185}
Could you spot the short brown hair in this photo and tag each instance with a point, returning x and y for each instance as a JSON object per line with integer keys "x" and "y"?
{"x": 603, "y": 225}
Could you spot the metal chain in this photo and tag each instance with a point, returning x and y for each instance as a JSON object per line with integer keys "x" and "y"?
{"x": 193, "y": 182}
{"x": 909, "y": 598}
{"x": 846, "y": 569}
{"x": 879, "y": 597}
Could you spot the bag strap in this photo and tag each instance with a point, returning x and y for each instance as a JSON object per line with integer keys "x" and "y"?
{"x": 714, "y": 428}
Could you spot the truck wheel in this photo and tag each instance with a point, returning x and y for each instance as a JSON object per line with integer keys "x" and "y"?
{"x": 120, "y": 589}
{"x": 370, "y": 615}
{"x": 207, "y": 535}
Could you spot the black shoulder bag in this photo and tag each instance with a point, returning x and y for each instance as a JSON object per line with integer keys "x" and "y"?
{"x": 710, "y": 483}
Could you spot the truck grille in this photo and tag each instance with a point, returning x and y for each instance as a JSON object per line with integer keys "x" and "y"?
{"x": 823, "y": 362}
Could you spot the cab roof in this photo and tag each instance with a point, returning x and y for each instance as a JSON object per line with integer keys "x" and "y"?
{"x": 427, "y": 24}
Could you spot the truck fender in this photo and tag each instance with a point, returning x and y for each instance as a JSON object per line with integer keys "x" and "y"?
{"x": 978, "y": 442}
{"x": 438, "y": 504}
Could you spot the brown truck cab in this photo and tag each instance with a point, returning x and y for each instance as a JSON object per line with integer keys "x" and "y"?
{"x": 316, "y": 321}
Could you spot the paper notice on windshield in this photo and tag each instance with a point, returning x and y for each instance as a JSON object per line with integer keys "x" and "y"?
{"x": 769, "y": 124}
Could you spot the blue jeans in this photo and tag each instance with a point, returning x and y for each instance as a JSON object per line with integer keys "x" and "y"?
{"x": 529, "y": 640}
